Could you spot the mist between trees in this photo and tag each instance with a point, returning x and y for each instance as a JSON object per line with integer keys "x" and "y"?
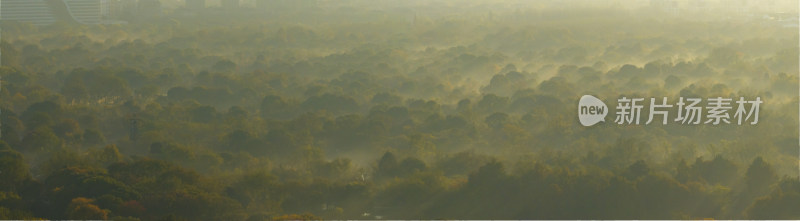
{"x": 421, "y": 110}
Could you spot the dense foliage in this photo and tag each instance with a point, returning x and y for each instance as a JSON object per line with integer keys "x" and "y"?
{"x": 377, "y": 112}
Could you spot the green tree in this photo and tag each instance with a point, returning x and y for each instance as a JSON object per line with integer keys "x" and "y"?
{"x": 41, "y": 139}
{"x": 13, "y": 169}
{"x": 83, "y": 208}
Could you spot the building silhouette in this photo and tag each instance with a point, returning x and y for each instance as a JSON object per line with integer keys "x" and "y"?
{"x": 37, "y": 12}
{"x": 45, "y": 12}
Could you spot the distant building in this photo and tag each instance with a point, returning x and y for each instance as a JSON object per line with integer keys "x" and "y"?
{"x": 37, "y": 12}
{"x": 86, "y": 11}
{"x": 45, "y": 12}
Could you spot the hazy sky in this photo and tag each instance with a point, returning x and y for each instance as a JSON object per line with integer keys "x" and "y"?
{"x": 750, "y": 5}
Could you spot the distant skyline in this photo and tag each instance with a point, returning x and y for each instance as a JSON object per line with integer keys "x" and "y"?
{"x": 758, "y": 5}
{"x": 44, "y": 12}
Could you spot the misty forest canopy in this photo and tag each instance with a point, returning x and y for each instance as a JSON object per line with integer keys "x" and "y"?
{"x": 420, "y": 110}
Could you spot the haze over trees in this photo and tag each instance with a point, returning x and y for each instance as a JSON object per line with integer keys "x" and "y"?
{"x": 413, "y": 110}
